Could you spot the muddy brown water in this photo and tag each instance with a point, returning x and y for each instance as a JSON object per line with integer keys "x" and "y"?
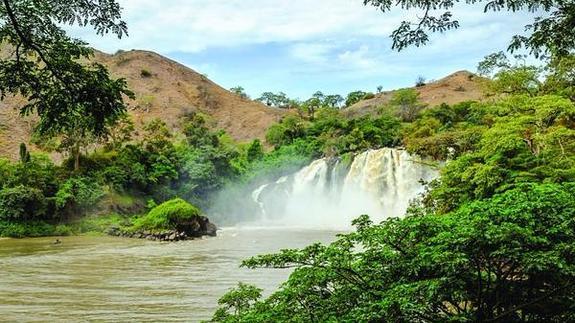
{"x": 107, "y": 279}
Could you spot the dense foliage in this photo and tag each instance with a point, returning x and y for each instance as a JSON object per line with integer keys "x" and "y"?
{"x": 332, "y": 134}
{"x": 510, "y": 258}
{"x": 492, "y": 240}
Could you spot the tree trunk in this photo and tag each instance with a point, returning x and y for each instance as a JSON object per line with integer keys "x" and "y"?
{"x": 77, "y": 158}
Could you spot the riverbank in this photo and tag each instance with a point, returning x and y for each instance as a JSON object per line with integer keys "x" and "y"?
{"x": 173, "y": 220}
{"x": 102, "y": 225}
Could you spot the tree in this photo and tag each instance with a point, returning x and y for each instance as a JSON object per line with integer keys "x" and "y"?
{"x": 561, "y": 76}
{"x": 78, "y": 134}
{"x": 333, "y": 101}
{"x": 268, "y": 98}
{"x": 407, "y": 103}
{"x": 505, "y": 259}
{"x": 271, "y": 99}
{"x": 282, "y": 100}
{"x": 290, "y": 128}
{"x": 240, "y": 91}
{"x": 510, "y": 77}
{"x": 24, "y": 154}
{"x": 76, "y": 195}
{"x": 319, "y": 95}
{"x": 354, "y": 97}
{"x": 44, "y": 63}
{"x": 420, "y": 81}
{"x": 22, "y": 203}
{"x": 493, "y": 62}
{"x": 310, "y": 106}
{"x": 551, "y": 31}
{"x": 498, "y": 146}
{"x": 255, "y": 150}
{"x": 120, "y": 133}
{"x": 516, "y": 80}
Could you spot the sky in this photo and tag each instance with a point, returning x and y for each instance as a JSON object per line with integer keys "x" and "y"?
{"x": 302, "y": 46}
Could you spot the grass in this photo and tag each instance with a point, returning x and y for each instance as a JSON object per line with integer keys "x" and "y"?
{"x": 166, "y": 216}
{"x": 147, "y": 101}
{"x": 95, "y": 225}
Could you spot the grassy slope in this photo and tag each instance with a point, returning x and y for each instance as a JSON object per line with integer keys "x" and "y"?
{"x": 458, "y": 87}
{"x": 170, "y": 92}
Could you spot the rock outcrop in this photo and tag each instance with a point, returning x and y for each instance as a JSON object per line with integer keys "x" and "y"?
{"x": 196, "y": 228}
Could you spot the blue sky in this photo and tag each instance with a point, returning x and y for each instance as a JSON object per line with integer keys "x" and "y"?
{"x": 301, "y": 46}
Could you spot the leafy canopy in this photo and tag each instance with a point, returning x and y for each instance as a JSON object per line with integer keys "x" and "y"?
{"x": 550, "y": 32}
{"x": 506, "y": 259}
{"x": 44, "y": 64}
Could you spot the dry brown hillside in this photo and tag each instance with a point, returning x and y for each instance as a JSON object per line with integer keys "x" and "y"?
{"x": 458, "y": 87}
{"x": 170, "y": 91}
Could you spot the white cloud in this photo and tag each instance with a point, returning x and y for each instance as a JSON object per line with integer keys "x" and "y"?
{"x": 359, "y": 58}
{"x": 325, "y": 41}
{"x": 316, "y": 30}
{"x": 315, "y": 53}
{"x": 194, "y": 25}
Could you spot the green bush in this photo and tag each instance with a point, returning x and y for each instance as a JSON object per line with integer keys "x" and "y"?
{"x": 78, "y": 194}
{"x": 101, "y": 224}
{"x": 31, "y": 229}
{"x": 167, "y": 216}
{"x": 145, "y": 73}
{"x": 255, "y": 150}
{"x": 63, "y": 230}
{"x": 22, "y": 203}
{"x": 368, "y": 96}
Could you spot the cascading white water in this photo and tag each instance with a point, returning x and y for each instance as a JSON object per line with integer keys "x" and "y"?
{"x": 256, "y": 197}
{"x": 380, "y": 183}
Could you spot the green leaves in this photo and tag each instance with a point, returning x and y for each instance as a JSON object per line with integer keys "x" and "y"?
{"x": 44, "y": 66}
{"x": 550, "y": 32}
{"x": 78, "y": 194}
{"x": 21, "y": 203}
{"x": 495, "y": 146}
{"x": 508, "y": 259}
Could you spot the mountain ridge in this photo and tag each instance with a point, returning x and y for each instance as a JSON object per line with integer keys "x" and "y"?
{"x": 169, "y": 90}
{"x": 164, "y": 89}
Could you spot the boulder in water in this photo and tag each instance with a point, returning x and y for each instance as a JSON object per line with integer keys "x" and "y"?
{"x": 174, "y": 220}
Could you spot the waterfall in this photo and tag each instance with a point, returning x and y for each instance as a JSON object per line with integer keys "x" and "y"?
{"x": 256, "y": 198}
{"x": 325, "y": 194}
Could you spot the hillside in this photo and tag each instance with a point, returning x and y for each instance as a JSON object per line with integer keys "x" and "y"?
{"x": 458, "y": 87}
{"x": 169, "y": 92}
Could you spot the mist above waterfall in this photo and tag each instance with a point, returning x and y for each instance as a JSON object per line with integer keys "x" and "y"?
{"x": 329, "y": 194}
{"x": 324, "y": 194}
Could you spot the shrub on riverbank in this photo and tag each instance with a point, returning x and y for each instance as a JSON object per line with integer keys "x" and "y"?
{"x": 33, "y": 229}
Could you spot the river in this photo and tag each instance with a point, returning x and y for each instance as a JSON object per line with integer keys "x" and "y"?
{"x": 118, "y": 280}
